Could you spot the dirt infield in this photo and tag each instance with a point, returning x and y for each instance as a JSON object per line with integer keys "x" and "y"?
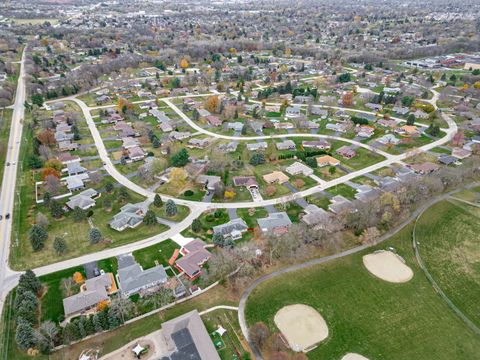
{"x": 301, "y": 326}
{"x": 388, "y": 266}
{"x": 353, "y": 356}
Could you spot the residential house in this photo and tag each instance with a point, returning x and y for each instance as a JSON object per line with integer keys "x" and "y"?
{"x": 136, "y": 153}
{"x": 232, "y": 229}
{"x": 257, "y": 146}
{"x": 283, "y": 125}
{"x": 315, "y": 215}
{"x": 129, "y": 142}
{"x": 425, "y": 168}
{"x": 74, "y": 168}
{"x": 299, "y": 168}
{"x": 275, "y": 177}
{"x": 327, "y": 160}
{"x": 187, "y": 338}
{"x": 209, "y": 181}
{"x": 213, "y": 120}
{"x": 388, "y": 139}
{"x": 376, "y": 107}
{"x": 286, "y": 145}
{"x": 337, "y": 127}
{"x": 293, "y": 111}
{"x": 460, "y": 153}
{"x": 230, "y": 147}
{"x": 448, "y": 159}
{"x": 401, "y": 110}
{"x": 316, "y": 110}
{"x": 76, "y": 182}
{"x": 179, "y": 136}
{"x": 339, "y": 204}
{"x": 364, "y": 131}
{"x": 198, "y": 143}
{"x": 194, "y": 257}
{"x": 85, "y": 200}
{"x": 132, "y": 278}
{"x": 392, "y": 124}
{"x": 278, "y": 223}
{"x": 347, "y": 152}
{"x": 420, "y": 114}
{"x": 317, "y": 144}
{"x": 93, "y": 292}
{"x": 130, "y": 216}
{"x": 247, "y": 181}
{"x": 236, "y": 126}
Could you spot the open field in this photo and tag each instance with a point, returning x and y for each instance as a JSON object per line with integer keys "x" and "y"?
{"x": 367, "y": 315}
{"x": 448, "y": 235}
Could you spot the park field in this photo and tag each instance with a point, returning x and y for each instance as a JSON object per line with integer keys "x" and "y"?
{"x": 448, "y": 237}
{"x": 369, "y": 316}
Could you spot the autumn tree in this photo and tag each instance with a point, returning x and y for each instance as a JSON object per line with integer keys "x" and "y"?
{"x": 46, "y": 137}
{"x": 212, "y": 104}
{"x": 178, "y": 177}
{"x": 259, "y": 334}
{"x": 184, "y": 63}
{"x": 347, "y": 98}
{"x": 50, "y": 172}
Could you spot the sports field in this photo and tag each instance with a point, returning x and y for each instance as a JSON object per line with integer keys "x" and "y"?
{"x": 367, "y": 315}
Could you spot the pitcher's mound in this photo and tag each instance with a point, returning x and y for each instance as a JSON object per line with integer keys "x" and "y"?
{"x": 388, "y": 266}
{"x": 301, "y": 326}
{"x": 353, "y": 356}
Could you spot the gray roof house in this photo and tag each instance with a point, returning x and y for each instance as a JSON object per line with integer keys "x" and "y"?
{"x": 277, "y": 222}
{"x": 286, "y": 145}
{"x": 84, "y": 200}
{"x": 95, "y": 291}
{"x": 340, "y": 204}
{"x": 257, "y": 146}
{"x": 209, "y": 181}
{"x": 74, "y": 168}
{"x": 130, "y": 216}
{"x": 133, "y": 279}
{"x": 187, "y": 338}
{"x": 232, "y": 229}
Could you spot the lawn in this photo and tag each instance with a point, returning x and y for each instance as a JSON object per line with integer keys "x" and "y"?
{"x": 5, "y": 120}
{"x": 366, "y": 315}
{"x": 448, "y": 237}
{"x": 161, "y": 253}
{"x": 344, "y": 190}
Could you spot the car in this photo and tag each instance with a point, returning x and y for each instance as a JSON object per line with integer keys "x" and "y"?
{"x": 7, "y": 216}
{"x": 96, "y": 272}
{"x": 1, "y": 217}
{"x": 8, "y": 163}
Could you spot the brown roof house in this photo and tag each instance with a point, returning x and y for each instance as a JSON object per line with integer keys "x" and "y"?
{"x": 194, "y": 257}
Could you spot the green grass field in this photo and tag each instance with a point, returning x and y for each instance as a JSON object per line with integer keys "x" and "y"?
{"x": 5, "y": 120}
{"x": 366, "y": 315}
{"x": 448, "y": 237}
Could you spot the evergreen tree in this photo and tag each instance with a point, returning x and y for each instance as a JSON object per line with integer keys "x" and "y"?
{"x": 170, "y": 208}
{"x": 95, "y": 235}
{"x": 196, "y": 225}
{"x": 109, "y": 187}
{"x": 150, "y": 218}
{"x": 411, "y": 119}
{"x": 218, "y": 239}
{"x": 157, "y": 201}
{"x": 56, "y": 210}
{"x": 29, "y": 280}
{"x": 46, "y": 198}
{"x": 79, "y": 214}
{"x": 25, "y": 335}
{"x": 180, "y": 158}
{"x": 97, "y": 323}
{"x": 37, "y": 236}
{"x": 59, "y": 245}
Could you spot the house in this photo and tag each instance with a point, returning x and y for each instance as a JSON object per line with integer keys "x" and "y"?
{"x": 262, "y": 145}
{"x": 366, "y": 193}
{"x": 93, "y": 292}
{"x": 283, "y": 125}
{"x": 66, "y": 158}
{"x": 318, "y": 145}
{"x": 299, "y": 168}
{"x": 460, "y": 153}
{"x": 401, "y": 110}
{"x": 135, "y": 153}
{"x": 277, "y": 223}
{"x": 275, "y": 177}
{"x": 76, "y": 182}
{"x": 232, "y": 229}
{"x": 74, "y": 168}
{"x": 388, "y": 139}
{"x": 203, "y": 113}
{"x": 407, "y": 130}
{"x": 323, "y": 113}
{"x": 286, "y": 145}
{"x": 376, "y": 107}
{"x": 307, "y": 124}
{"x": 392, "y": 124}
{"x": 339, "y": 204}
{"x": 213, "y": 120}
{"x": 315, "y": 215}
{"x": 447, "y": 159}
{"x": 230, "y": 147}
{"x": 194, "y": 257}
{"x": 62, "y": 136}
{"x": 198, "y": 143}
{"x": 337, "y": 127}
{"x": 247, "y": 181}
{"x": 102, "y": 99}
{"x": 420, "y": 114}
{"x": 130, "y": 216}
{"x": 178, "y": 135}
{"x": 236, "y": 126}
{"x": 347, "y": 152}
{"x": 129, "y": 142}
{"x": 327, "y": 160}
{"x": 132, "y": 278}
{"x": 209, "y": 181}
{"x": 292, "y": 111}
{"x": 84, "y": 200}
{"x": 425, "y": 168}
{"x": 364, "y": 131}
{"x": 187, "y": 338}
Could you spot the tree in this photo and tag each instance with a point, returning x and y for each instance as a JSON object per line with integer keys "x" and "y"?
{"x": 52, "y": 184}
{"x": 123, "y": 194}
{"x": 178, "y": 177}
{"x": 46, "y": 137}
{"x": 347, "y": 98}
{"x": 109, "y": 187}
{"x": 180, "y": 158}
{"x": 54, "y": 164}
{"x": 46, "y": 172}
{"x": 95, "y": 235}
{"x": 150, "y": 218}
{"x": 170, "y": 208}
{"x": 196, "y": 225}
{"x": 212, "y": 104}
{"x": 28, "y": 280}
{"x": 311, "y": 161}
{"x": 37, "y": 99}
{"x": 56, "y": 210}
{"x": 157, "y": 201}
{"x": 345, "y": 77}
{"x": 332, "y": 170}
{"x": 79, "y": 214}
{"x": 257, "y": 159}
{"x": 218, "y": 240}
{"x": 46, "y": 198}
{"x": 59, "y": 245}
{"x": 41, "y": 220}
{"x": 184, "y": 63}
{"x": 25, "y": 335}
{"x": 411, "y": 119}
{"x": 46, "y": 335}
{"x": 259, "y": 334}
{"x": 37, "y": 235}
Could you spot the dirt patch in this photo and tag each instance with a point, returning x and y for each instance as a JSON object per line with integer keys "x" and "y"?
{"x": 353, "y": 356}
{"x": 388, "y": 266}
{"x": 301, "y": 326}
